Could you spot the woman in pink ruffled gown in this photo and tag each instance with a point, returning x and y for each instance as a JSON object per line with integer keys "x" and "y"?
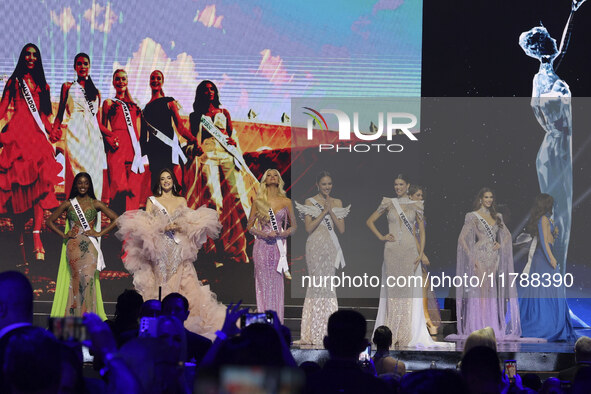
{"x": 270, "y": 244}
{"x": 161, "y": 245}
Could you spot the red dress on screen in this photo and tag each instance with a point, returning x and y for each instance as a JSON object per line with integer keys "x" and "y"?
{"x": 122, "y": 180}
{"x": 28, "y": 170}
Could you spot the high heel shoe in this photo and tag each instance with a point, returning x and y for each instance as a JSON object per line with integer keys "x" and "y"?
{"x": 432, "y": 328}
{"x": 38, "y": 246}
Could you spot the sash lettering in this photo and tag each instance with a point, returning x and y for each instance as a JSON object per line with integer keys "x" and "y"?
{"x": 487, "y": 227}
{"x": 327, "y": 221}
{"x": 28, "y": 96}
{"x": 223, "y": 140}
{"x": 138, "y": 160}
{"x": 282, "y": 266}
{"x": 100, "y": 265}
{"x": 403, "y": 217}
{"x": 165, "y": 213}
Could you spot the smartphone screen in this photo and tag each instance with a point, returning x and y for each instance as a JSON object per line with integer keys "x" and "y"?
{"x": 70, "y": 328}
{"x": 511, "y": 369}
{"x": 250, "y": 318}
{"x": 366, "y": 354}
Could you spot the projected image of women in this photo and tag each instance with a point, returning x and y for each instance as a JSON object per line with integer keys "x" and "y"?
{"x": 552, "y": 107}
{"x": 28, "y": 170}
{"x": 127, "y": 175}
{"x": 85, "y": 150}
{"x": 160, "y": 113}
{"x": 213, "y": 177}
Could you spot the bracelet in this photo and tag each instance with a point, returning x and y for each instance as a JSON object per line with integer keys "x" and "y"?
{"x": 221, "y": 335}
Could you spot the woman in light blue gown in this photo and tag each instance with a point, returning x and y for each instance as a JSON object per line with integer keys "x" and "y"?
{"x": 544, "y": 312}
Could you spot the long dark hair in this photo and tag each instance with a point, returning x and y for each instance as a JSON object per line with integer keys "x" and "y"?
{"x": 493, "y": 208}
{"x": 201, "y": 106}
{"x": 89, "y": 88}
{"x": 176, "y": 187}
{"x": 412, "y": 189}
{"x": 543, "y": 204}
{"x": 74, "y": 190}
{"x": 321, "y": 175}
{"x": 38, "y": 75}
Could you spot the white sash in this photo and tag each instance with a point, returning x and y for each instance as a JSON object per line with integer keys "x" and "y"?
{"x": 223, "y": 140}
{"x": 402, "y": 216}
{"x": 530, "y": 255}
{"x": 28, "y": 96}
{"x": 165, "y": 213}
{"x": 327, "y": 221}
{"x": 90, "y": 107}
{"x": 282, "y": 266}
{"x": 100, "y": 264}
{"x": 177, "y": 152}
{"x": 138, "y": 160}
{"x": 487, "y": 227}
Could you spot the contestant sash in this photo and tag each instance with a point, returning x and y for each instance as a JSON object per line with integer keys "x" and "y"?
{"x": 487, "y": 227}
{"x": 282, "y": 266}
{"x": 138, "y": 160}
{"x": 165, "y": 213}
{"x": 403, "y": 217}
{"x": 327, "y": 221}
{"x": 223, "y": 140}
{"x": 530, "y": 255}
{"x": 33, "y": 109}
{"x": 100, "y": 264}
{"x": 177, "y": 153}
{"x": 90, "y": 107}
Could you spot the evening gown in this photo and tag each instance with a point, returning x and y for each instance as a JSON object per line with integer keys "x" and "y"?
{"x": 269, "y": 282}
{"x": 85, "y": 150}
{"x": 544, "y": 311}
{"x": 158, "y": 114}
{"x": 156, "y": 260}
{"x": 492, "y": 304}
{"x": 122, "y": 180}
{"x": 79, "y": 260}
{"x": 321, "y": 256}
{"x": 212, "y": 179}
{"x": 401, "y": 308}
{"x": 28, "y": 170}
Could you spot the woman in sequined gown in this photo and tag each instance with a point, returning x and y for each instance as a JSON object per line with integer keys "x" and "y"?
{"x": 322, "y": 215}
{"x": 28, "y": 170}
{"x": 401, "y": 306}
{"x": 485, "y": 250}
{"x": 83, "y": 294}
{"x": 161, "y": 245}
{"x": 266, "y": 252}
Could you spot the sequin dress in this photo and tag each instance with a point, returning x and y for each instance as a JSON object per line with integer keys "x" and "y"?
{"x": 321, "y": 301}
{"x": 156, "y": 260}
{"x": 269, "y": 282}
{"x": 82, "y": 259}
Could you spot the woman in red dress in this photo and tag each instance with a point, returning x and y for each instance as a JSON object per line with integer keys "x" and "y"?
{"x": 127, "y": 174}
{"x": 28, "y": 170}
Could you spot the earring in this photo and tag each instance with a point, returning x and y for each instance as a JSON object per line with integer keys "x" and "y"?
{"x": 174, "y": 187}
{"x": 481, "y": 202}
{"x": 159, "y": 189}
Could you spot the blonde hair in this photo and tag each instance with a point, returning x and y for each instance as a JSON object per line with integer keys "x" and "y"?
{"x": 262, "y": 202}
{"x": 127, "y": 94}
